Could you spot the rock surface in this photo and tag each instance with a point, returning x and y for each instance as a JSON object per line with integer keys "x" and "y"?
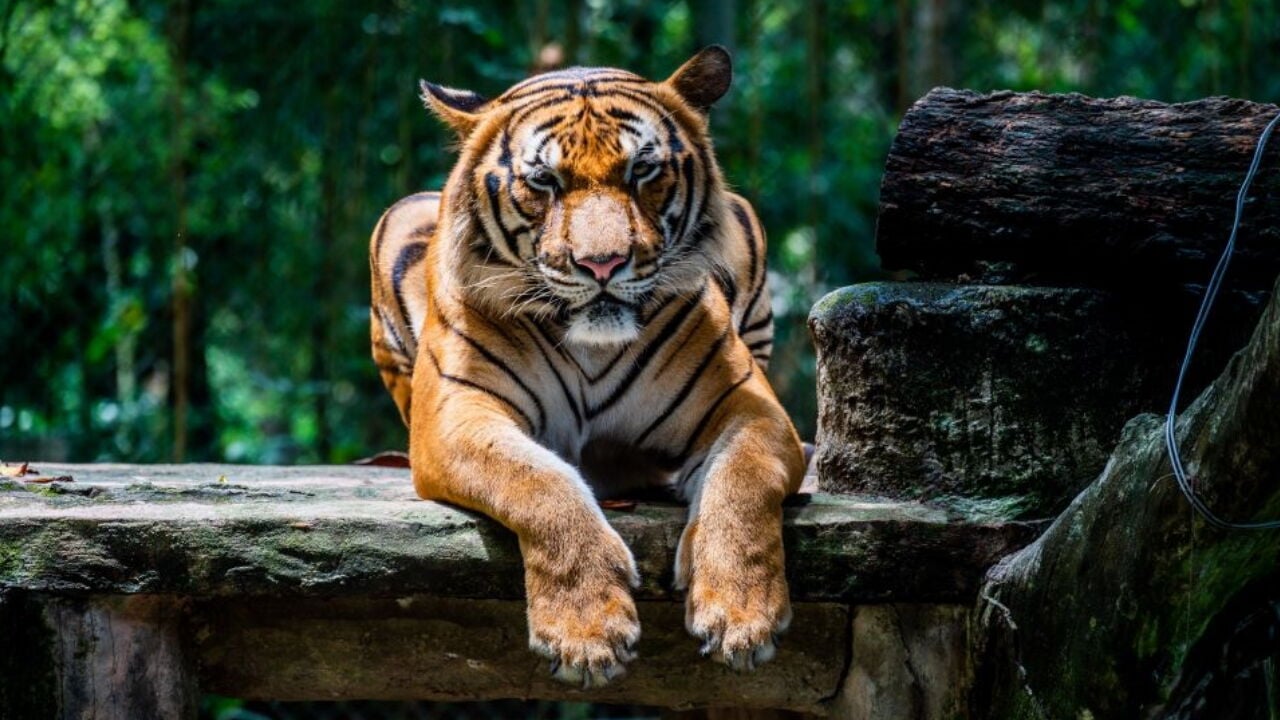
{"x": 1001, "y": 394}
{"x": 336, "y": 582}
{"x": 1130, "y": 605}
{"x": 210, "y": 530}
{"x": 1011, "y": 394}
{"x": 1067, "y": 189}
{"x": 416, "y": 647}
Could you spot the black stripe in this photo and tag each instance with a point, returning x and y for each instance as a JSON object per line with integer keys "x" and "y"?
{"x": 685, "y": 389}
{"x": 687, "y": 476}
{"x": 518, "y": 114}
{"x": 625, "y": 115}
{"x": 706, "y": 416}
{"x": 687, "y": 338}
{"x": 686, "y": 213}
{"x": 591, "y": 380}
{"x": 584, "y": 86}
{"x": 501, "y": 365}
{"x": 382, "y": 224}
{"x": 727, "y": 287}
{"x": 399, "y": 346}
{"x": 564, "y": 387}
{"x": 486, "y": 254}
{"x": 548, "y": 124}
{"x": 525, "y": 215}
{"x": 766, "y": 342}
{"x": 646, "y": 355}
{"x": 757, "y": 325}
{"x": 657, "y": 108}
{"x": 743, "y": 219}
{"x": 410, "y": 255}
{"x": 755, "y": 297}
{"x": 492, "y": 186}
{"x": 477, "y": 386}
{"x": 707, "y": 176}
{"x": 673, "y": 136}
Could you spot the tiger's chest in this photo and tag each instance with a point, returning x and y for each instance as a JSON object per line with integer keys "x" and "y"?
{"x": 642, "y": 404}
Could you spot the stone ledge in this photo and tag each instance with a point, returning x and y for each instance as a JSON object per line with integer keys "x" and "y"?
{"x": 227, "y": 530}
{"x": 415, "y": 647}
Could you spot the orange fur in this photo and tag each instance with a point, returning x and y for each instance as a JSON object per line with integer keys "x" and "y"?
{"x": 517, "y": 369}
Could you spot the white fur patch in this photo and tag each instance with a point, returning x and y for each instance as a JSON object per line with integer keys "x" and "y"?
{"x": 603, "y": 323}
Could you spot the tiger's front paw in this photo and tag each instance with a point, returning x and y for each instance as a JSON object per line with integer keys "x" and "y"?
{"x": 737, "y": 602}
{"x": 581, "y": 615}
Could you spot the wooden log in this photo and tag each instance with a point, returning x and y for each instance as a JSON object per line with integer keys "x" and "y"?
{"x": 1067, "y": 189}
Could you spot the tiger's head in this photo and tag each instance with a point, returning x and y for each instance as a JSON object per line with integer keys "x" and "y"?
{"x": 586, "y": 196}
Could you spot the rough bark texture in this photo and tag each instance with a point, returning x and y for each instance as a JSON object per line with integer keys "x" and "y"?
{"x": 999, "y": 394}
{"x": 1071, "y": 189}
{"x": 1130, "y": 606}
{"x": 322, "y": 531}
{"x": 447, "y": 649}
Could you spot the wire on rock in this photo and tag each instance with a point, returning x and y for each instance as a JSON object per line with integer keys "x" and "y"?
{"x": 1211, "y": 294}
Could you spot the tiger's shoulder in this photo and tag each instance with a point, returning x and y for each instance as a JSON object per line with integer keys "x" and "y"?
{"x": 744, "y": 280}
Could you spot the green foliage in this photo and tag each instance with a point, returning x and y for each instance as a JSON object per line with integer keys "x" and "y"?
{"x": 270, "y": 136}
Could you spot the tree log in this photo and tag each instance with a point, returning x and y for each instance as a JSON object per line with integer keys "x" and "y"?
{"x": 1130, "y": 606}
{"x": 1068, "y": 189}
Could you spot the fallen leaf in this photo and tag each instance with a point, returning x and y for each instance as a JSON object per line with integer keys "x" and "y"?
{"x": 623, "y": 505}
{"x": 389, "y": 458}
{"x": 45, "y": 479}
{"x": 7, "y": 470}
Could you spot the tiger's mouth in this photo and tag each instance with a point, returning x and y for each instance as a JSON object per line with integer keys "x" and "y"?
{"x": 604, "y": 320}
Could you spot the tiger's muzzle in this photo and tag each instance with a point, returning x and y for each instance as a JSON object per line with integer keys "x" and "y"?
{"x": 597, "y": 254}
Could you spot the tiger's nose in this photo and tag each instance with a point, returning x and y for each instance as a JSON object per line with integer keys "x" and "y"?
{"x": 601, "y": 266}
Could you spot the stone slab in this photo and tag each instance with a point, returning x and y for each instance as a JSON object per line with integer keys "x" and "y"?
{"x": 415, "y": 647}
{"x": 236, "y": 531}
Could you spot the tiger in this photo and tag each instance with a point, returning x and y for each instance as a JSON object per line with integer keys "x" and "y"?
{"x": 583, "y": 311}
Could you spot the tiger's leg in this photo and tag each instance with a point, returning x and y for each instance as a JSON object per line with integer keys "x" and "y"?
{"x": 730, "y": 557}
{"x": 578, "y": 571}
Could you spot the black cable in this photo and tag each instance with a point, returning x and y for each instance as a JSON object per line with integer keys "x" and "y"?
{"x": 1211, "y": 294}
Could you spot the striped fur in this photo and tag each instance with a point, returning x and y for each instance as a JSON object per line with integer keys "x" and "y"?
{"x": 531, "y": 386}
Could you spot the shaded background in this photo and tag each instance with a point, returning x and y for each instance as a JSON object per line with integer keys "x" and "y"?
{"x": 187, "y": 187}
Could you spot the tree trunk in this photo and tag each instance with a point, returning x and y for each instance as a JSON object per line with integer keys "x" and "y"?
{"x": 179, "y": 36}
{"x": 1076, "y": 190}
{"x": 1130, "y": 606}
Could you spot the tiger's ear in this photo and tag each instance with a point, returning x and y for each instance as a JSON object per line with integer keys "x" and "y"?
{"x": 704, "y": 78}
{"x": 459, "y": 109}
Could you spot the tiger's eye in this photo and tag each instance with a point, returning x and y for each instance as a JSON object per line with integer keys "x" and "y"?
{"x": 642, "y": 170}
{"x": 543, "y": 178}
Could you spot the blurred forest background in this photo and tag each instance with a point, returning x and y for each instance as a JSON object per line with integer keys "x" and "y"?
{"x": 187, "y": 186}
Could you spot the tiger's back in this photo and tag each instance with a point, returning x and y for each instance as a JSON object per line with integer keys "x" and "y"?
{"x": 399, "y": 293}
